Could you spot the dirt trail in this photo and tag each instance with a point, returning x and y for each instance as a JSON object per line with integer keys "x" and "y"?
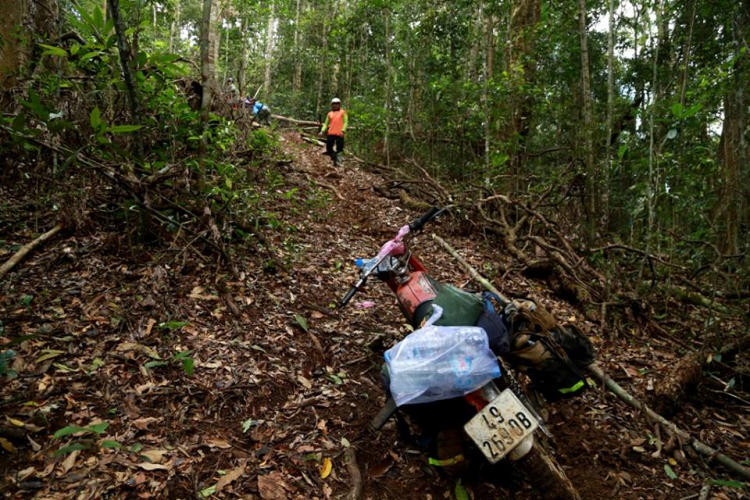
{"x": 282, "y": 385}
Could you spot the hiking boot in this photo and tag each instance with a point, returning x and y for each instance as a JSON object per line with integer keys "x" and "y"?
{"x": 449, "y": 452}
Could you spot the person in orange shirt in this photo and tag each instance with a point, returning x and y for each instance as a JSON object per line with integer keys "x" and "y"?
{"x": 335, "y": 127}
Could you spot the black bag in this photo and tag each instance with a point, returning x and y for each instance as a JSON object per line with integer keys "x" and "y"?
{"x": 493, "y": 323}
{"x": 553, "y": 356}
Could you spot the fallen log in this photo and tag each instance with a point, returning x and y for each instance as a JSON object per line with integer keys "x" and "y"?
{"x": 314, "y": 142}
{"x": 26, "y": 249}
{"x": 621, "y": 393}
{"x": 413, "y": 203}
{"x": 295, "y": 121}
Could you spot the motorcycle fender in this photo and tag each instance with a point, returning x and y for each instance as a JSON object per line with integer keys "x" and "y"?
{"x": 415, "y": 292}
{"x": 522, "y": 449}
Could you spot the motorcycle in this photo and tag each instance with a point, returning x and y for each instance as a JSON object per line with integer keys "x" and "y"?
{"x": 498, "y": 418}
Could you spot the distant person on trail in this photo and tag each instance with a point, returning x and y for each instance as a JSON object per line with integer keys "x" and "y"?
{"x": 233, "y": 93}
{"x": 335, "y": 127}
{"x": 260, "y": 111}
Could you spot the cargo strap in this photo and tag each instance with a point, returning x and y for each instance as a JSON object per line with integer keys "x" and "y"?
{"x": 568, "y": 390}
{"x": 446, "y": 462}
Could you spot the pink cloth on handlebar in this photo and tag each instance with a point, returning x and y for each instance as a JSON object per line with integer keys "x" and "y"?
{"x": 394, "y": 247}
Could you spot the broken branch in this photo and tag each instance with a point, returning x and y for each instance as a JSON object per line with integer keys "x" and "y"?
{"x": 26, "y": 249}
{"x": 702, "y": 448}
{"x": 473, "y": 272}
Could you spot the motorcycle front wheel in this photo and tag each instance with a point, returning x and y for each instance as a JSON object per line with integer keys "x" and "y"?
{"x": 545, "y": 475}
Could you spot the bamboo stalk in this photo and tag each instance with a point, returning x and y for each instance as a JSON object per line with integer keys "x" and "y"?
{"x": 19, "y": 255}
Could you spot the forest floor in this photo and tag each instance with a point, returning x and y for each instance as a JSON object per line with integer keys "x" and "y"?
{"x": 282, "y": 383}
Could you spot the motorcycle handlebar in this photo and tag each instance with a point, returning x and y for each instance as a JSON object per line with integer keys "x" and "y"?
{"x": 348, "y": 296}
{"x": 418, "y": 224}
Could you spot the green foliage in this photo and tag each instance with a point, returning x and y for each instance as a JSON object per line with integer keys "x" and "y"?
{"x": 181, "y": 358}
{"x": 5, "y": 360}
{"x": 83, "y": 441}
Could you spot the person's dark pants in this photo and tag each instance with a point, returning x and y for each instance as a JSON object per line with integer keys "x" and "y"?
{"x": 338, "y": 141}
{"x": 264, "y": 116}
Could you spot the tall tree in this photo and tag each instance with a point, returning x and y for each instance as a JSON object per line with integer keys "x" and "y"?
{"x": 125, "y": 60}
{"x": 523, "y": 19}
{"x": 24, "y": 23}
{"x": 588, "y": 123}
{"x": 269, "y": 50}
{"x": 610, "y": 107}
{"x": 208, "y": 20}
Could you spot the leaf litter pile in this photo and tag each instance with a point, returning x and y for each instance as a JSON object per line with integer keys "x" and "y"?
{"x": 155, "y": 373}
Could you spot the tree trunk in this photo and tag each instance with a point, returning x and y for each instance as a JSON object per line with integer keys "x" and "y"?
{"x": 14, "y": 49}
{"x": 386, "y": 145}
{"x": 686, "y": 52}
{"x": 269, "y": 51}
{"x": 486, "y": 61}
{"x": 322, "y": 63}
{"x": 297, "y": 77}
{"x": 23, "y": 23}
{"x": 651, "y": 192}
{"x": 470, "y": 69}
{"x": 523, "y": 19}
{"x": 226, "y": 56}
{"x": 733, "y": 157}
{"x": 588, "y": 124}
{"x": 215, "y": 40}
{"x": 207, "y": 77}
{"x": 175, "y": 24}
{"x": 636, "y": 59}
{"x": 490, "y": 29}
{"x": 125, "y": 63}
{"x": 610, "y": 109}
{"x": 242, "y": 74}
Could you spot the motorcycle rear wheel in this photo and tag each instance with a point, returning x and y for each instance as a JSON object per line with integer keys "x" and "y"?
{"x": 546, "y": 476}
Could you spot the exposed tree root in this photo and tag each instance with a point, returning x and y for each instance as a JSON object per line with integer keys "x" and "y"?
{"x": 356, "y": 476}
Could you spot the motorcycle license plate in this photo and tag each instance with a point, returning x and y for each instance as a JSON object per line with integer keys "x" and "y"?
{"x": 501, "y": 426}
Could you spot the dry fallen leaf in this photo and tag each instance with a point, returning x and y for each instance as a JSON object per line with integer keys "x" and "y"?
{"x": 149, "y": 326}
{"x": 15, "y": 422}
{"x": 271, "y": 487}
{"x": 230, "y": 476}
{"x": 69, "y": 462}
{"x": 218, "y": 443}
{"x": 7, "y": 445}
{"x": 133, "y": 346}
{"x": 28, "y": 472}
{"x": 143, "y": 423}
{"x": 148, "y": 466}
{"x": 154, "y": 456}
{"x": 326, "y": 468}
{"x": 304, "y": 382}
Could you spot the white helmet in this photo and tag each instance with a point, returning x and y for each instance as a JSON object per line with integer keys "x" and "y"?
{"x": 335, "y": 100}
